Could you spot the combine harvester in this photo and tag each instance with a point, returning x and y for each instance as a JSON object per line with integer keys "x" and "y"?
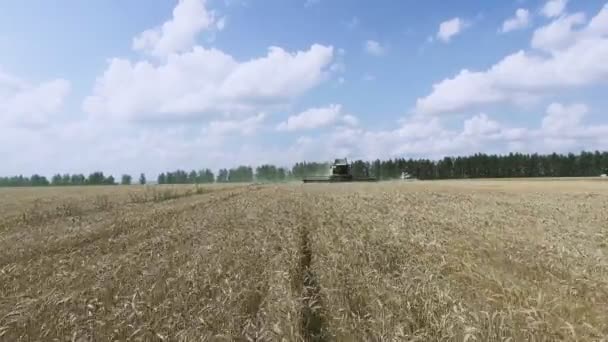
{"x": 407, "y": 177}
{"x": 339, "y": 172}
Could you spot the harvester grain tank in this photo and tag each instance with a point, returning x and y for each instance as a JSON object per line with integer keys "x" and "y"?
{"x": 340, "y": 171}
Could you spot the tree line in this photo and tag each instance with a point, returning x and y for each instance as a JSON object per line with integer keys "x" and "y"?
{"x": 95, "y": 178}
{"x": 475, "y": 166}
{"x": 585, "y": 164}
{"x": 183, "y": 177}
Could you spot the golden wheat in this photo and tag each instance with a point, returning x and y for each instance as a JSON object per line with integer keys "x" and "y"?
{"x": 416, "y": 261}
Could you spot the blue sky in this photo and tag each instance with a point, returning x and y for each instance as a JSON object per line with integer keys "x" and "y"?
{"x": 132, "y": 86}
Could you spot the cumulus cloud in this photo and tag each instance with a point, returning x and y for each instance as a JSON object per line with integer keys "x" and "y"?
{"x": 562, "y": 129}
{"x": 576, "y": 59}
{"x": 130, "y": 148}
{"x": 76, "y": 147}
{"x": 450, "y": 28}
{"x": 374, "y": 48}
{"x": 178, "y": 34}
{"x": 192, "y": 80}
{"x": 318, "y": 117}
{"x": 558, "y": 34}
{"x": 520, "y": 21}
{"x": 172, "y": 80}
{"x": 30, "y": 104}
{"x": 553, "y": 8}
{"x": 560, "y": 119}
{"x": 205, "y": 81}
{"x": 480, "y": 125}
{"x": 246, "y": 126}
{"x": 416, "y": 137}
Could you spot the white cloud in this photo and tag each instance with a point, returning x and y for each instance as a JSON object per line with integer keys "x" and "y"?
{"x": 576, "y": 59}
{"x": 450, "y": 28}
{"x": 246, "y": 126}
{"x": 480, "y": 125}
{"x": 560, "y": 118}
{"x": 30, "y": 104}
{"x": 559, "y": 33}
{"x": 76, "y": 147}
{"x": 316, "y": 118}
{"x": 129, "y": 148}
{"x": 350, "y": 120}
{"x": 416, "y": 137}
{"x": 599, "y": 24}
{"x": 375, "y": 48}
{"x": 520, "y": 21}
{"x": 205, "y": 81}
{"x": 193, "y": 80}
{"x": 553, "y": 8}
{"x": 561, "y": 130}
{"x": 190, "y": 17}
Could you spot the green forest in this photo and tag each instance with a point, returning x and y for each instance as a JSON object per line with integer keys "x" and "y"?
{"x": 584, "y": 164}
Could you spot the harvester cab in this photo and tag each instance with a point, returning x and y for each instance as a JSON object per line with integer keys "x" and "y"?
{"x": 340, "y": 170}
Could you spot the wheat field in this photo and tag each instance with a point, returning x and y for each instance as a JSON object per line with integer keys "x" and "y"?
{"x": 391, "y": 261}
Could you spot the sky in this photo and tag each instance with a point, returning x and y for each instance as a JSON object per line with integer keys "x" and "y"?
{"x": 151, "y": 86}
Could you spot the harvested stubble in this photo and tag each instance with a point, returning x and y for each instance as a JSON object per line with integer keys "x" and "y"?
{"x": 484, "y": 261}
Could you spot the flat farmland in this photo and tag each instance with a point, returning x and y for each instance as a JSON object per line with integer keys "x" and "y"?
{"x": 483, "y": 260}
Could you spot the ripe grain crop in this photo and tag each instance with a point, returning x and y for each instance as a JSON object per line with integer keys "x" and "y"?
{"x": 388, "y": 261}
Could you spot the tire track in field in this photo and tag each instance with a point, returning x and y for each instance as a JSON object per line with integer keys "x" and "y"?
{"x": 312, "y": 319}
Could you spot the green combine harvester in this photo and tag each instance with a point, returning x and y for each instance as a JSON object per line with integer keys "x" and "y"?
{"x": 340, "y": 171}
